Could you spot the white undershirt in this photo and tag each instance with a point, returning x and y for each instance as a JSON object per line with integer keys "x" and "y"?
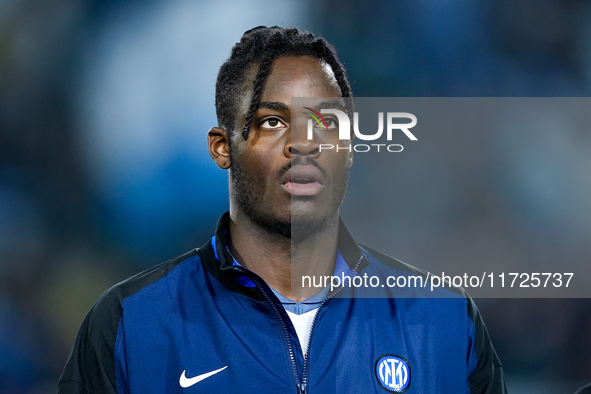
{"x": 303, "y": 326}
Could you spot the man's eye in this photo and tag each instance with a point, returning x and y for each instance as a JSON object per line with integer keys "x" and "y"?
{"x": 331, "y": 123}
{"x": 272, "y": 123}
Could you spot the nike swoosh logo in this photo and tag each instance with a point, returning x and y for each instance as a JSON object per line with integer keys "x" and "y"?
{"x": 188, "y": 382}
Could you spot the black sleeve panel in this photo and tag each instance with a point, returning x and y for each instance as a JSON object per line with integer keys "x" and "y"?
{"x": 91, "y": 366}
{"x": 488, "y": 377}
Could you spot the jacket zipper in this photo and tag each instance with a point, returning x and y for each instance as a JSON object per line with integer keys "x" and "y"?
{"x": 304, "y": 382}
{"x": 300, "y": 383}
{"x": 284, "y": 327}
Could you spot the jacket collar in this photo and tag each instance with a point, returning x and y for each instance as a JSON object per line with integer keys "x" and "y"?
{"x": 220, "y": 263}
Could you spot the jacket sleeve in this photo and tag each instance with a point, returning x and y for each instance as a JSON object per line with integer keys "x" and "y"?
{"x": 488, "y": 376}
{"x": 91, "y": 366}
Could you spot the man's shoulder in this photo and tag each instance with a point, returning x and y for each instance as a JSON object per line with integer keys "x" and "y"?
{"x": 375, "y": 256}
{"x": 144, "y": 280}
{"x": 384, "y": 265}
{"x": 104, "y": 316}
{"x": 486, "y": 369}
{"x": 91, "y": 362}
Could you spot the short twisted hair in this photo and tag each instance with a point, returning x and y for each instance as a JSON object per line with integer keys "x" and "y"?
{"x": 260, "y": 46}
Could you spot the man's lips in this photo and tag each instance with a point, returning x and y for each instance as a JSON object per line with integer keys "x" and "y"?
{"x": 303, "y": 180}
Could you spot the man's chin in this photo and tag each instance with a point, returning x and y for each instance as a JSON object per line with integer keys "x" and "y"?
{"x": 303, "y": 228}
{"x": 297, "y": 228}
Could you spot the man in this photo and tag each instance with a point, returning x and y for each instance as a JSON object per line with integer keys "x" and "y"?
{"x": 225, "y": 318}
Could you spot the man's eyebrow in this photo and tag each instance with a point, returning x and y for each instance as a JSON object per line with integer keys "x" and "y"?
{"x": 336, "y": 104}
{"x": 278, "y": 105}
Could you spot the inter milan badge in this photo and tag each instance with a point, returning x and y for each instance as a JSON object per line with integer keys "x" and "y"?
{"x": 393, "y": 373}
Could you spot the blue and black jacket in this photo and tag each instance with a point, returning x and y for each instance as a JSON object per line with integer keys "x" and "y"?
{"x": 194, "y": 325}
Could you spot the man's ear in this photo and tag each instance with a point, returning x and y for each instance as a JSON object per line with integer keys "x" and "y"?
{"x": 218, "y": 144}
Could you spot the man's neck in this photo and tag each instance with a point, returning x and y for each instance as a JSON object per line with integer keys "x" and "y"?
{"x": 279, "y": 260}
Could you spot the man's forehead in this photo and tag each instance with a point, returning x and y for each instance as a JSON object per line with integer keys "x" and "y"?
{"x": 317, "y": 103}
{"x": 286, "y": 69}
{"x": 299, "y": 76}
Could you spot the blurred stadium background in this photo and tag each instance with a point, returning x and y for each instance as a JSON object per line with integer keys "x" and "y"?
{"x": 104, "y": 107}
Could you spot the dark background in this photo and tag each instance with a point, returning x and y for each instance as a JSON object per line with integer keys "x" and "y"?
{"x": 104, "y": 107}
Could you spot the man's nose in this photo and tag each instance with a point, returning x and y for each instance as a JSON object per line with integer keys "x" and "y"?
{"x": 299, "y": 144}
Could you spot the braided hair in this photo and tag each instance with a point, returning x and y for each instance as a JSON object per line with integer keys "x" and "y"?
{"x": 260, "y": 47}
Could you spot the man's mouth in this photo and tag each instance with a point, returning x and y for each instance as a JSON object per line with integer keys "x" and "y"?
{"x": 303, "y": 180}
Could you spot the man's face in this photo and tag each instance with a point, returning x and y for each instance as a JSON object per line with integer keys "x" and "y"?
{"x": 279, "y": 178}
